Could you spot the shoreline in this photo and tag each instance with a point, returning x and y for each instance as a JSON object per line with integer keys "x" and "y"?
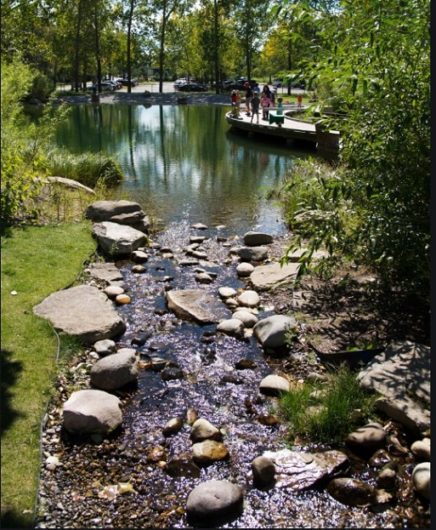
{"x": 165, "y": 98}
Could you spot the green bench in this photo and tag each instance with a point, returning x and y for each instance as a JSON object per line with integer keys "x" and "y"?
{"x": 276, "y": 116}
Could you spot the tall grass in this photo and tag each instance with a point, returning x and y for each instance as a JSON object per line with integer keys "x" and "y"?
{"x": 327, "y": 413}
{"x": 87, "y": 168}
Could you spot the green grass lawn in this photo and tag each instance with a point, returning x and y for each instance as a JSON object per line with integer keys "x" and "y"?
{"x": 36, "y": 261}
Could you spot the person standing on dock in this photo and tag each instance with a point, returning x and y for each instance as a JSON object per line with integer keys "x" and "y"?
{"x": 255, "y": 102}
{"x": 248, "y": 96}
{"x": 299, "y": 100}
{"x": 265, "y": 101}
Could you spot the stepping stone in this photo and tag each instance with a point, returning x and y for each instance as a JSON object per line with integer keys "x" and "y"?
{"x": 227, "y": 292}
{"x": 105, "y": 347}
{"x": 106, "y": 272}
{"x": 91, "y": 412}
{"x": 112, "y": 291}
{"x": 117, "y": 240}
{"x": 209, "y": 451}
{"x": 274, "y": 385}
{"x": 83, "y": 312}
{"x": 231, "y": 326}
{"x": 253, "y": 253}
{"x": 202, "y": 430}
{"x": 249, "y": 299}
{"x": 273, "y": 274}
{"x": 196, "y": 304}
{"x": 367, "y": 439}
{"x": 139, "y": 256}
{"x": 115, "y": 371}
{"x": 247, "y": 318}
{"x": 105, "y": 210}
{"x": 244, "y": 269}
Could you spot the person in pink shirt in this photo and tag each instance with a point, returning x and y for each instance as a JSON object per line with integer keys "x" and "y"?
{"x": 265, "y": 102}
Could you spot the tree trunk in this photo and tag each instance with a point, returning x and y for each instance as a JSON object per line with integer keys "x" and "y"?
{"x": 76, "y": 72}
{"x": 289, "y": 62}
{"x": 216, "y": 40}
{"x": 97, "y": 46}
{"x": 129, "y": 44}
{"x": 161, "y": 48}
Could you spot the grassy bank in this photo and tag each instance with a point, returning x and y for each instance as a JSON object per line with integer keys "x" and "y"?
{"x": 36, "y": 261}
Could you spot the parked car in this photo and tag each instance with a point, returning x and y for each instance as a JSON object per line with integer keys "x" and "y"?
{"x": 106, "y": 86}
{"x": 179, "y": 82}
{"x": 277, "y": 83}
{"x": 238, "y": 84}
{"x": 125, "y": 82}
{"x": 193, "y": 87}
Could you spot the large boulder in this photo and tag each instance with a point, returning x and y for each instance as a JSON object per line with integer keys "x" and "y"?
{"x": 271, "y": 331}
{"x": 83, "y": 312}
{"x": 401, "y": 374}
{"x": 91, "y": 412}
{"x": 273, "y": 274}
{"x": 256, "y": 239}
{"x": 105, "y": 210}
{"x": 115, "y": 370}
{"x": 215, "y": 500}
{"x": 118, "y": 240}
{"x": 196, "y": 304}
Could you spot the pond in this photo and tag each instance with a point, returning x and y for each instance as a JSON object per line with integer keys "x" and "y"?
{"x": 184, "y": 162}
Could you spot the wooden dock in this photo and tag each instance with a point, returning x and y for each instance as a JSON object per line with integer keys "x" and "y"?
{"x": 326, "y": 142}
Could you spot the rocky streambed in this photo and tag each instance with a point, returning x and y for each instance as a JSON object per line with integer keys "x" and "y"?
{"x": 200, "y": 440}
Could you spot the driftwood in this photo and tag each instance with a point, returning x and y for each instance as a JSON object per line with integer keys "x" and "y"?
{"x": 69, "y": 183}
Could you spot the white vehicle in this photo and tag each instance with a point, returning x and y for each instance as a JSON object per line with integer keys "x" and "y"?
{"x": 180, "y": 82}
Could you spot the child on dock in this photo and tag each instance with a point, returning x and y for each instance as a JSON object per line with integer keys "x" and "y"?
{"x": 265, "y": 101}
{"x": 255, "y": 102}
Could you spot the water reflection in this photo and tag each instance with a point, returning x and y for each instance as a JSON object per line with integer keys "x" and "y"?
{"x": 181, "y": 160}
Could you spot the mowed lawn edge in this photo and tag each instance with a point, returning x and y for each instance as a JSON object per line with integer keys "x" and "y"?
{"x": 35, "y": 262}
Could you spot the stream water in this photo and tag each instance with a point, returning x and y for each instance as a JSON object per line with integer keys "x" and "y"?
{"x": 203, "y": 176}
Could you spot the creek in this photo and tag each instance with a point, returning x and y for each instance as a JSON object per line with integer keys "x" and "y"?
{"x": 211, "y": 177}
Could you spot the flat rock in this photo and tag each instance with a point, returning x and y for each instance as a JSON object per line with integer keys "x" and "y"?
{"x": 271, "y": 331}
{"x": 215, "y": 500}
{"x": 199, "y": 226}
{"x": 295, "y": 255}
{"x": 256, "y": 239}
{"x": 248, "y": 299}
{"x": 117, "y": 240}
{"x": 253, "y": 253}
{"x": 203, "y": 277}
{"x": 273, "y": 274}
{"x": 273, "y": 385}
{"x": 114, "y": 371}
{"x": 297, "y": 470}
{"x": 196, "y": 304}
{"x": 92, "y": 411}
{"x": 105, "y": 210}
{"x": 83, "y": 312}
{"x": 106, "y": 272}
{"x": 401, "y": 374}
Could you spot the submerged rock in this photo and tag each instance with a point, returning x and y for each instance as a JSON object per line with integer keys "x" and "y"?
{"x": 352, "y": 492}
{"x": 215, "y": 500}
{"x": 92, "y": 411}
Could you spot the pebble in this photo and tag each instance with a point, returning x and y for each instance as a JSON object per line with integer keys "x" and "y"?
{"x": 52, "y": 462}
{"x": 122, "y": 299}
{"x": 172, "y": 426}
{"x": 244, "y": 269}
{"x": 231, "y": 326}
{"x": 113, "y": 290}
{"x": 246, "y": 317}
{"x": 203, "y": 277}
{"x": 421, "y": 479}
{"x": 249, "y": 299}
{"x": 202, "y": 430}
{"x": 227, "y": 292}
{"x": 421, "y": 449}
{"x": 209, "y": 451}
{"x": 139, "y": 256}
{"x": 105, "y": 346}
{"x": 138, "y": 269}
